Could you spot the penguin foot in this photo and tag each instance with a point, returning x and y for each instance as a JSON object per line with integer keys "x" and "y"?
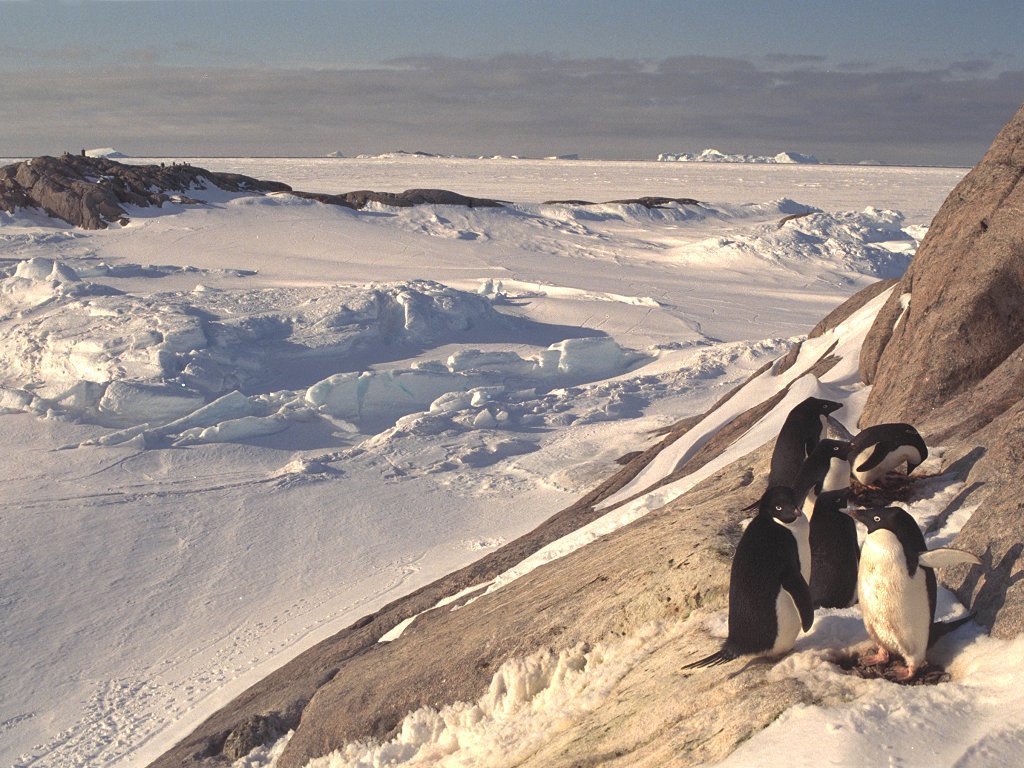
{"x": 880, "y": 657}
{"x": 904, "y": 673}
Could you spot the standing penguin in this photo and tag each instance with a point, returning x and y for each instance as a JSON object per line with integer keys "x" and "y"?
{"x": 769, "y": 601}
{"x": 883, "y": 447}
{"x": 800, "y": 433}
{"x": 896, "y": 585}
{"x": 826, "y": 469}
{"x": 834, "y": 552}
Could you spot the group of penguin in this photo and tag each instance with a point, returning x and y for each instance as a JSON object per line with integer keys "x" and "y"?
{"x": 800, "y": 551}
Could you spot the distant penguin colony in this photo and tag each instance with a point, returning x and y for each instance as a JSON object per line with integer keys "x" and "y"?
{"x": 800, "y": 551}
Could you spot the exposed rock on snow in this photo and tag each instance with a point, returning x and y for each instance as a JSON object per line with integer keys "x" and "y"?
{"x": 91, "y": 192}
{"x": 407, "y": 199}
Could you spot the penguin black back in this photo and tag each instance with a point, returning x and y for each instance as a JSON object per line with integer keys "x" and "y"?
{"x": 835, "y": 554}
{"x": 797, "y": 439}
{"x": 882, "y": 447}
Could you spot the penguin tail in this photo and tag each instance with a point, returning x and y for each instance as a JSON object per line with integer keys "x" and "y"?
{"x": 722, "y": 656}
{"x": 940, "y": 629}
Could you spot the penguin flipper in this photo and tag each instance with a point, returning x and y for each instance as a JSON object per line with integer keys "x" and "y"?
{"x": 940, "y": 629}
{"x": 797, "y": 588}
{"x": 721, "y": 656}
{"x": 880, "y": 451}
{"x": 943, "y": 556}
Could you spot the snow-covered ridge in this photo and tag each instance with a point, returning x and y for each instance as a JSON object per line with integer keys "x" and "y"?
{"x": 714, "y": 156}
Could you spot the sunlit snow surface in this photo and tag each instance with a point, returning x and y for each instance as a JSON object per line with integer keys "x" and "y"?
{"x": 234, "y": 428}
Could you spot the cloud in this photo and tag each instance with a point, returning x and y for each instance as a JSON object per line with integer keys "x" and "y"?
{"x": 528, "y": 105}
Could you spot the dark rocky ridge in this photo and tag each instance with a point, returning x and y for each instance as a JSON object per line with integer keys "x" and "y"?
{"x": 89, "y": 192}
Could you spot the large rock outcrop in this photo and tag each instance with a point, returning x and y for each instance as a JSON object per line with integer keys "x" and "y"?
{"x": 966, "y": 285}
{"x": 90, "y": 192}
{"x": 952, "y": 363}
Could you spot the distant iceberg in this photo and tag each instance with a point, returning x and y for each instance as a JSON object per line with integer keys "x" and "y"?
{"x": 103, "y": 152}
{"x": 714, "y": 156}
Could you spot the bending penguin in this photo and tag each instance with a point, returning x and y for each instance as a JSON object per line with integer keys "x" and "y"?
{"x": 797, "y": 439}
{"x": 896, "y": 585}
{"x": 769, "y": 601}
{"x": 883, "y": 447}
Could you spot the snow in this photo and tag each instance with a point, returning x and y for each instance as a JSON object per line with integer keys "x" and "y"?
{"x": 973, "y": 720}
{"x": 236, "y": 427}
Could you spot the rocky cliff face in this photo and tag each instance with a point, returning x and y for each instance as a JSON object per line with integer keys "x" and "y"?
{"x": 952, "y": 362}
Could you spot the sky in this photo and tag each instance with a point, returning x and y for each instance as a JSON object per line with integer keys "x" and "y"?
{"x": 897, "y": 82}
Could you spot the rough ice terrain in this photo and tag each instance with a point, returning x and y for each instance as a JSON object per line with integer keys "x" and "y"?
{"x": 232, "y": 428}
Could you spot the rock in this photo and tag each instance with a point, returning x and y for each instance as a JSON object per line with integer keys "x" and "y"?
{"x": 965, "y": 284}
{"x": 89, "y": 192}
{"x": 952, "y": 363}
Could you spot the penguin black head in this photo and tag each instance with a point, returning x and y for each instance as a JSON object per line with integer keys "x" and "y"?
{"x": 892, "y": 519}
{"x": 779, "y": 502}
{"x": 838, "y": 449}
{"x": 818, "y": 406}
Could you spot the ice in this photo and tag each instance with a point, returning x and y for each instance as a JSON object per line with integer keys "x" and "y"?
{"x": 400, "y": 392}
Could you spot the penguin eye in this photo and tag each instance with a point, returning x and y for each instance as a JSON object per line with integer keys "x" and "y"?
{"x": 878, "y": 519}
{"x": 778, "y": 509}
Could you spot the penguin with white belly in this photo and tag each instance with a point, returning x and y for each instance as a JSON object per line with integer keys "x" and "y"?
{"x": 799, "y": 435}
{"x": 878, "y": 450}
{"x": 769, "y": 600}
{"x": 896, "y": 587}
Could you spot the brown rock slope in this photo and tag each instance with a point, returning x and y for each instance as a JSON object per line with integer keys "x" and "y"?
{"x": 954, "y": 366}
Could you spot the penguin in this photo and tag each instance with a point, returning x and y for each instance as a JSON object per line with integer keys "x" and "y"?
{"x": 826, "y": 469}
{"x": 896, "y": 586}
{"x": 835, "y": 553}
{"x": 883, "y": 447}
{"x": 769, "y": 600}
{"x": 800, "y": 433}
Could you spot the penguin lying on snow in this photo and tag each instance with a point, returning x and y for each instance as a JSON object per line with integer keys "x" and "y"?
{"x": 769, "y": 601}
{"x": 798, "y": 437}
{"x": 896, "y": 585}
{"x": 883, "y": 447}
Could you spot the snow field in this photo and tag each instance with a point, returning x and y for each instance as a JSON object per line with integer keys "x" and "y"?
{"x": 235, "y": 427}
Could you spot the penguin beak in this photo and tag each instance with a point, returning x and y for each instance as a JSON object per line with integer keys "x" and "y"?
{"x": 853, "y": 512}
